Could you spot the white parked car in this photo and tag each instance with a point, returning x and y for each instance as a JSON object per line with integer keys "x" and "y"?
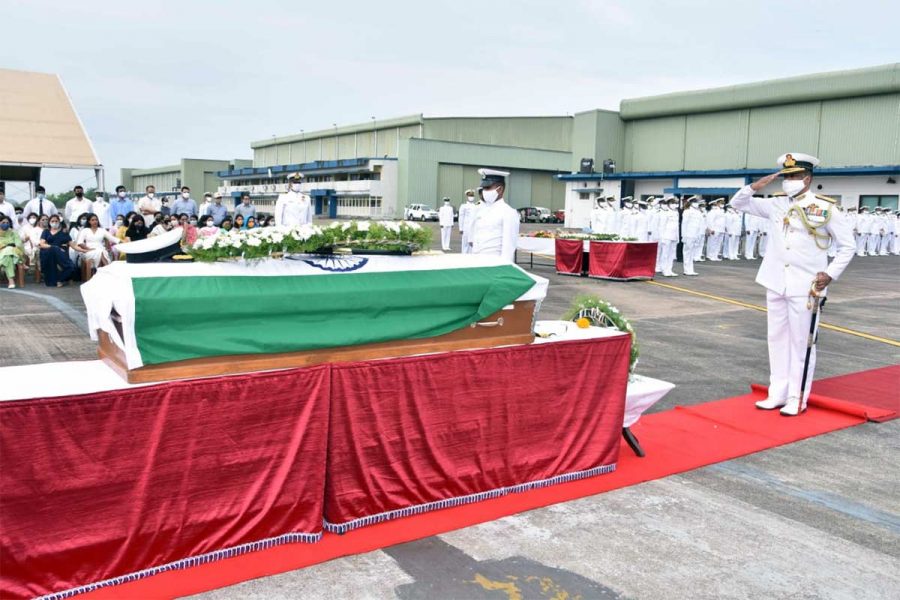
{"x": 420, "y": 212}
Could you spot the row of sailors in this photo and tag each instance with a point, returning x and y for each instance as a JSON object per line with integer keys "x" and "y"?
{"x": 717, "y": 231}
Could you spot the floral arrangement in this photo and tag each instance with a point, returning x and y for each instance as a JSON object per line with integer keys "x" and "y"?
{"x": 595, "y": 237}
{"x": 274, "y": 242}
{"x": 591, "y": 310}
{"x": 543, "y": 233}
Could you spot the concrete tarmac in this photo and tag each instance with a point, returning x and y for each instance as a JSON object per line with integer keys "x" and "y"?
{"x": 818, "y": 518}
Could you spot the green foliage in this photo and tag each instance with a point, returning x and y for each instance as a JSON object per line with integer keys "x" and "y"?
{"x": 309, "y": 239}
{"x": 603, "y": 314}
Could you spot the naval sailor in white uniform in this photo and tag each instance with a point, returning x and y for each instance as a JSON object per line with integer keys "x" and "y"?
{"x": 466, "y": 214}
{"x": 801, "y": 226}
{"x": 495, "y": 228}
{"x": 294, "y": 207}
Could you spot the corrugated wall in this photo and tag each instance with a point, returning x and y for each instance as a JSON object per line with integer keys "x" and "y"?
{"x": 546, "y": 133}
{"x": 429, "y": 170}
{"x": 846, "y": 132}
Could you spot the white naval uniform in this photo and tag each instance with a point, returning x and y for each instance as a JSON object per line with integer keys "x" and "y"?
{"x": 895, "y": 240}
{"x": 751, "y": 224}
{"x": 788, "y": 270}
{"x": 293, "y": 208}
{"x": 885, "y": 226}
{"x": 733, "y": 226}
{"x": 445, "y": 218}
{"x": 101, "y": 209}
{"x": 667, "y": 222}
{"x": 598, "y": 218}
{"x": 716, "y": 224}
{"x": 466, "y": 213}
{"x": 495, "y": 230}
{"x": 698, "y": 252}
{"x": 693, "y": 227}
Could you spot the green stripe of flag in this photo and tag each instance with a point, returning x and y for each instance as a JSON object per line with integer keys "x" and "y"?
{"x": 178, "y": 318}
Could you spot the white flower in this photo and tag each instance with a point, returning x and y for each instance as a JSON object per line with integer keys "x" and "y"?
{"x": 237, "y": 244}
{"x": 392, "y": 226}
{"x": 412, "y": 225}
{"x": 254, "y": 241}
{"x": 277, "y": 237}
{"x": 362, "y": 225}
{"x": 206, "y": 243}
{"x": 347, "y": 225}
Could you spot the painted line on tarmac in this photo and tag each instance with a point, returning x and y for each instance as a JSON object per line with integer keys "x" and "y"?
{"x": 838, "y": 328}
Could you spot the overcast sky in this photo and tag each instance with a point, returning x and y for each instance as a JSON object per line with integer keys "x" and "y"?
{"x": 155, "y": 81}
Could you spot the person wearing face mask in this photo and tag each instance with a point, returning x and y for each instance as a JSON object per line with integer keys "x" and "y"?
{"x": 101, "y": 209}
{"x": 496, "y": 226}
{"x": 149, "y": 205}
{"x": 77, "y": 224}
{"x": 6, "y": 208}
{"x": 692, "y": 230}
{"x": 715, "y": 222}
{"x": 445, "y": 219}
{"x": 668, "y": 235}
{"x": 466, "y": 216}
{"x": 626, "y": 214}
{"x": 30, "y": 232}
{"x": 294, "y": 207}
{"x": 204, "y": 206}
{"x": 39, "y": 205}
{"x": 733, "y": 230}
{"x": 185, "y": 204}
{"x": 12, "y": 252}
{"x": 78, "y": 205}
{"x": 801, "y": 226}
{"x": 122, "y": 205}
{"x": 217, "y": 210}
{"x": 245, "y": 208}
{"x": 137, "y": 230}
{"x": 56, "y": 266}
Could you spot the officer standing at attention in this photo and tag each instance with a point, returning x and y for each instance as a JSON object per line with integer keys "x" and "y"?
{"x": 294, "y": 207}
{"x": 466, "y": 212}
{"x": 496, "y": 226}
{"x": 802, "y": 226}
{"x": 445, "y": 218}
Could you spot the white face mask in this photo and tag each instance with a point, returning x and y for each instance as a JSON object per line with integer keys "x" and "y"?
{"x": 121, "y": 194}
{"x": 185, "y": 195}
{"x": 295, "y": 187}
{"x": 151, "y": 195}
{"x": 470, "y": 198}
{"x": 792, "y": 187}
{"x": 490, "y": 196}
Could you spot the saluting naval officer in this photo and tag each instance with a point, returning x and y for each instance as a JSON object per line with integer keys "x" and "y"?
{"x": 495, "y": 228}
{"x": 294, "y": 207}
{"x": 801, "y": 225}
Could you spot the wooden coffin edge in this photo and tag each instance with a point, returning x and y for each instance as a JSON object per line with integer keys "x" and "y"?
{"x": 460, "y": 339}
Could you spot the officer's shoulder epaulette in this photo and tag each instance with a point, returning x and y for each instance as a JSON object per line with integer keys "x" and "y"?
{"x": 779, "y": 194}
{"x": 826, "y": 199}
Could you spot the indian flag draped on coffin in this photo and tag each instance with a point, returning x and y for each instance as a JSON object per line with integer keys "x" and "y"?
{"x": 172, "y": 312}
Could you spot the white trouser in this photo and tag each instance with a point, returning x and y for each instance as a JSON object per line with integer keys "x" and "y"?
{"x": 788, "y": 332}
{"x": 763, "y": 242}
{"x": 895, "y": 244}
{"x": 735, "y": 246}
{"x": 883, "y": 246}
{"x": 698, "y": 251}
{"x": 689, "y": 251}
{"x": 872, "y": 244}
{"x": 726, "y": 246}
{"x": 714, "y": 245}
{"x": 832, "y": 250}
{"x": 660, "y": 248}
{"x": 465, "y": 243}
{"x": 667, "y": 258}
{"x": 750, "y": 245}
{"x": 445, "y": 237}
{"x": 861, "y": 243}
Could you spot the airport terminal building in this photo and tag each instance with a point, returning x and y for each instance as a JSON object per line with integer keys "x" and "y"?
{"x": 375, "y": 169}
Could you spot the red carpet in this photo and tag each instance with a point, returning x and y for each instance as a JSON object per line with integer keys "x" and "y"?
{"x": 878, "y": 390}
{"x": 675, "y": 441}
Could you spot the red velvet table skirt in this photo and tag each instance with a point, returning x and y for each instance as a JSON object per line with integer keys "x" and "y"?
{"x": 422, "y": 433}
{"x": 133, "y": 482}
{"x": 569, "y": 256}
{"x": 622, "y": 260}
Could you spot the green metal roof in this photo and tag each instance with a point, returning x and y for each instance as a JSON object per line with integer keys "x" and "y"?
{"x": 870, "y": 81}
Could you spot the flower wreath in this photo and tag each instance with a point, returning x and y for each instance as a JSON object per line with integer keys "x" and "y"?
{"x": 590, "y": 310}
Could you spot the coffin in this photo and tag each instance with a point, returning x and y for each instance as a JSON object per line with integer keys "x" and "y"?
{"x": 508, "y": 326}
{"x": 158, "y": 321}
